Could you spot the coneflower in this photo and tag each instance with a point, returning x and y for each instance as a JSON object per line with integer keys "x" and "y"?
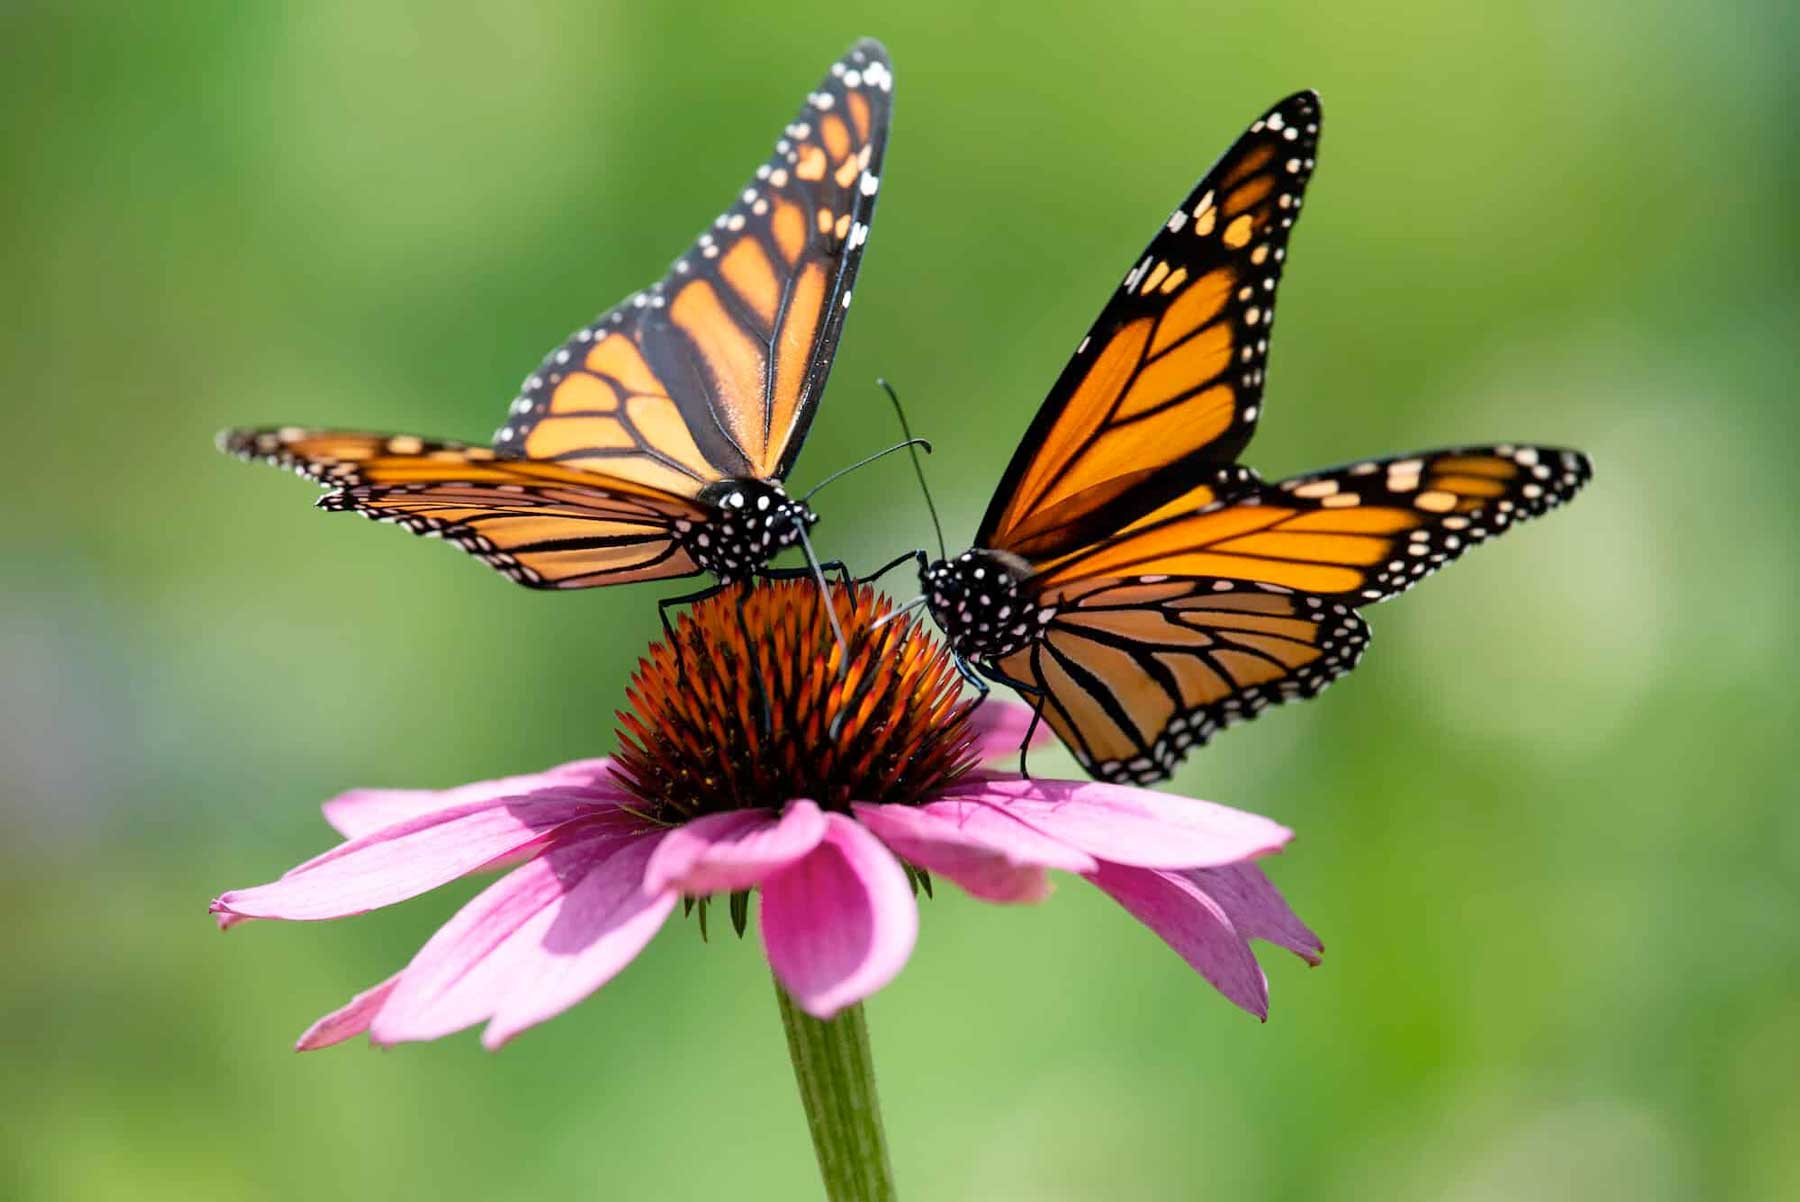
{"x": 767, "y": 760}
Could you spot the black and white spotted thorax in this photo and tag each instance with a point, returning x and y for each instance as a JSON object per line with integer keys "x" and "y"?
{"x": 977, "y": 599}
{"x": 753, "y": 522}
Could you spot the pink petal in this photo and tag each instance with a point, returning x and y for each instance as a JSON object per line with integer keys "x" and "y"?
{"x": 1024, "y": 843}
{"x": 979, "y": 847}
{"x": 461, "y": 974}
{"x": 365, "y": 811}
{"x": 1000, "y": 725}
{"x": 600, "y": 926}
{"x": 1194, "y": 925}
{"x": 404, "y": 861}
{"x": 1128, "y": 825}
{"x": 458, "y": 976}
{"x": 734, "y": 850}
{"x": 351, "y": 1019}
{"x": 840, "y": 923}
{"x": 1256, "y": 907}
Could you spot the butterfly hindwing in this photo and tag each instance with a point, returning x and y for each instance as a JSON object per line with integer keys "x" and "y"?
{"x": 1134, "y": 673}
{"x": 1356, "y": 534}
{"x": 716, "y": 370}
{"x": 542, "y": 524}
{"x": 1167, "y": 385}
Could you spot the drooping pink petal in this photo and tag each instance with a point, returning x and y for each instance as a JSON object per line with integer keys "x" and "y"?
{"x": 584, "y": 781}
{"x": 838, "y": 924}
{"x": 1195, "y": 925}
{"x": 733, "y": 850}
{"x": 365, "y": 811}
{"x": 600, "y": 926}
{"x": 989, "y": 854}
{"x": 1128, "y": 825}
{"x": 459, "y": 977}
{"x": 403, "y": 861}
{"x": 350, "y": 1019}
{"x": 999, "y": 727}
{"x": 604, "y": 801}
{"x": 1256, "y": 907}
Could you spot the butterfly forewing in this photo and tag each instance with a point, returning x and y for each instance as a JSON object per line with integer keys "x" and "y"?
{"x": 1359, "y": 534}
{"x": 1166, "y": 386}
{"x": 715, "y": 371}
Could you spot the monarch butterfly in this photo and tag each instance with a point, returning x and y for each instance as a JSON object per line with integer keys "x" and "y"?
{"x": 653, "y": 443}
{"x": 1130, "y": 576}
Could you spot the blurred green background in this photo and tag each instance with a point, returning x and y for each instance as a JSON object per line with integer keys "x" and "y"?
{"x": 1548, "y": 831}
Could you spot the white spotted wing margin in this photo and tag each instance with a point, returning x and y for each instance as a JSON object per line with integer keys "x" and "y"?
{"x": 1134, "y": 674}
{"x": 1166, "y": 386}
{"x": 1411, "y": 515}
{"x": 543, "y": 536}
{"x": 716, "y": 370}
{"x": 542, "y": 525}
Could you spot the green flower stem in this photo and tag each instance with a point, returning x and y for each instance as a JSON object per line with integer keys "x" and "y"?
{"x": 836, "y": 1076}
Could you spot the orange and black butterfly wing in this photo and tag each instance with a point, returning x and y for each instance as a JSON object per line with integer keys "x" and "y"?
{"x": 1355, "y": 534}
{"x": 542, "y": 524}
{"x": 1132, "y": 674}
{"x": 1185, "y": 622}
{"x": 715, "y": 371}
{"x": 1166, "y": 386}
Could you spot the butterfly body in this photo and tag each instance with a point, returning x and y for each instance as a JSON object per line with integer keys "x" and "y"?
{"x": 653, "y": 442}
{"x": 1132, "y": 580}
{"x": 753, "y": 521}
{"x": 980, "y": 602}
{"x": 986, "y": 600}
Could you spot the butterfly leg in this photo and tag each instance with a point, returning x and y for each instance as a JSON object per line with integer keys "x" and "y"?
{"x": 917, "y": 557}
{"x": 1026, "y": 689}
{"x": 1037, "y": 715}
{"x": 765, "y": 719}
{"x": 969, "y": 674}
{"x": 829, "y": 565}
{"x": 662, "y": 612}
{"x": 998, "y": 677}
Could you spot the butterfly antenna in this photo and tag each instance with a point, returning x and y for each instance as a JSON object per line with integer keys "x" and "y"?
{"x": 837, "y": 629}
{"x": 918, "y": 467}
{"x": 910, "y": 443}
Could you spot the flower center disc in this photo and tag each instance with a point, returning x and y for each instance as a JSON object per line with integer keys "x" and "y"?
{"x": 761, "y": 705}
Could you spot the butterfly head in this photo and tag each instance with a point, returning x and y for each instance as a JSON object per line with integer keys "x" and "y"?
{"x": 752, "y": 521}
{"x": 979, "y": 601}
